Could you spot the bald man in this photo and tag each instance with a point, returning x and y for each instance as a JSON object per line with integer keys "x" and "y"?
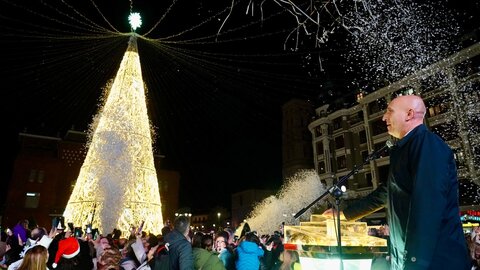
{"x": 421, "y": 194}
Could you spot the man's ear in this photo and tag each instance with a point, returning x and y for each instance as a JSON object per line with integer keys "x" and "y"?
{"x": 410, "y": 114}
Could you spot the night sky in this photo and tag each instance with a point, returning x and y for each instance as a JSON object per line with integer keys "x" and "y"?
{"x": 215, "y": 80}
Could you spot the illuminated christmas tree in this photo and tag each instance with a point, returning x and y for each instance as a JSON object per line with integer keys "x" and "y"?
{"x": 117, "y": 185}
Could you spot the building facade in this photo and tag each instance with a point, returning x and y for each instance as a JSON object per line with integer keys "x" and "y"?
{"x": 296, "y": 146}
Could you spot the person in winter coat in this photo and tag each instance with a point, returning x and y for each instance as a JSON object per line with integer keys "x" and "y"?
{"x": 179, "y": 246}
{"x": 203, "y": 256}
{"x": 249, "y": 253}
{"x": 224, "y": 250}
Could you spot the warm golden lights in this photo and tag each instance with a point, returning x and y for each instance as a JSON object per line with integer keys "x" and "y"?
{"x": 117, "y": 186}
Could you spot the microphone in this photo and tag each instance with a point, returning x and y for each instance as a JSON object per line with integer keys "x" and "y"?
{"x": 376, "y": 154}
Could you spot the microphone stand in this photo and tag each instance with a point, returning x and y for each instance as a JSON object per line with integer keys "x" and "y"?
{"x": 337, "y": 192}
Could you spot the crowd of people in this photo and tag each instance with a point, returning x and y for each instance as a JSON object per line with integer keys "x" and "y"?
{"x": 177, "y": 247}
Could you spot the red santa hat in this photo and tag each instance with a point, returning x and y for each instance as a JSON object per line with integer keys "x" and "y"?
{"x": 67, "y": 248}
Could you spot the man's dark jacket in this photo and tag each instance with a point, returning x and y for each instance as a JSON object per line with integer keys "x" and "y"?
{"x": 421, "y": 196}
{"x": 180, "y": 251}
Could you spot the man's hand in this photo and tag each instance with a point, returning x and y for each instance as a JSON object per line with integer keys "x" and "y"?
{"x": 151, "y": 252}
{"x": 332, "y": 213}
{"x": 68, "y": 234}
{"x": 269, "y": 246}
{"x": 52, "y": 233}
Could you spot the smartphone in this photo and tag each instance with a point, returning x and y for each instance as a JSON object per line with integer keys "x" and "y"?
{"x": 54, "y": 222}
{"x": 70, "y": 226}
{"x": 58, "y": 222}
{"x": 95, "y": 233}
{"x": 78, "y": 232}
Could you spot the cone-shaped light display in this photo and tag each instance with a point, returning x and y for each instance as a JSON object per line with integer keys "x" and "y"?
{"x": 117, "y": 185}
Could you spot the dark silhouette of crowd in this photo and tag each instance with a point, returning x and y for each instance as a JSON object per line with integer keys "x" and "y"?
{"x": 177, "y": 247}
